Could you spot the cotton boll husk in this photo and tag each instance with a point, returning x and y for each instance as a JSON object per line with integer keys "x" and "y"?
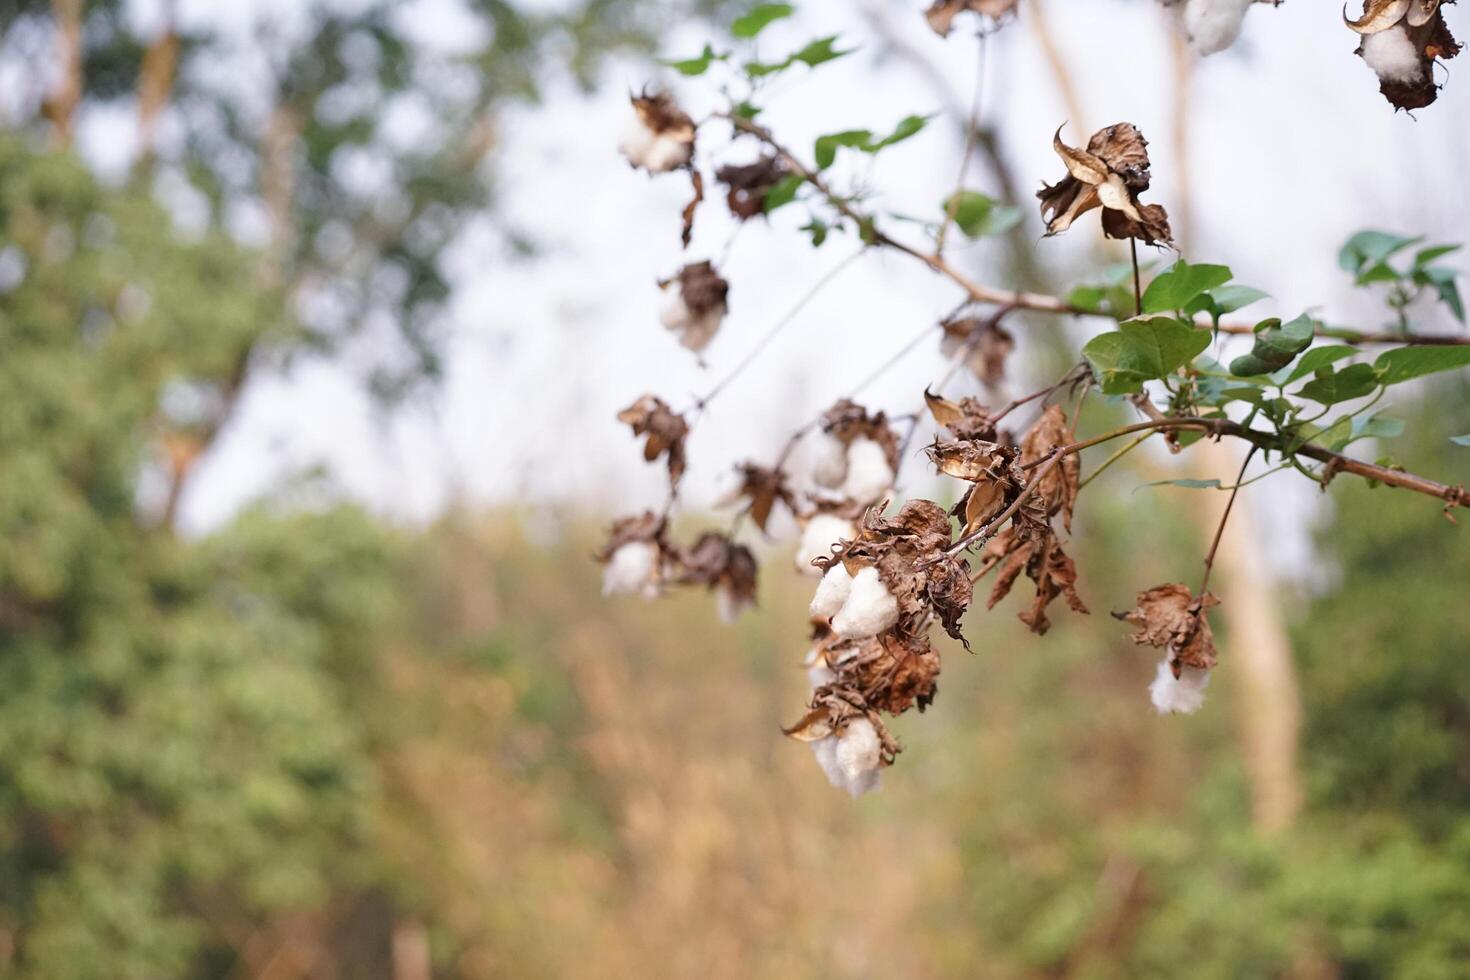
{"x": 868, "y": 472}
{"x": 632, "y": 569}
{"x": 730, "y": 605}
{"x": 1214, "y": 25}
{"x": 869, "y": 610}
{"x": 667, "y": 153}
{"x": 818, "y": 537}
{"x": 829, "y": 460}
{"x": 1184, "y": 694}
{"x": 832, "y": 592}
{"x": 637, "y": 141}
{"x": 859, "y": 756}
{"x": 1392, "y": 55}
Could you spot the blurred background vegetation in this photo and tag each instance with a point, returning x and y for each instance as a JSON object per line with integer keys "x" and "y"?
{"x": 311, "y": 744}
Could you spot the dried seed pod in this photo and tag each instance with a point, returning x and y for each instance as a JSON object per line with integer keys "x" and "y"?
{"x": 665, "y": 429}
{"x": 1110, "y": 174}
{"x": 661, "y": 136}
{"x": 696, "y": 302}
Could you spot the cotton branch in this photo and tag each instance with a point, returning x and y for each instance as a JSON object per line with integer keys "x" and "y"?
{"x": 1033, "y": 302}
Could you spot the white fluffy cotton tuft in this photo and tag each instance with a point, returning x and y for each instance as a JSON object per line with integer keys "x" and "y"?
{"x": 852, "y": 760}
{"x": 832, "y": 592}
{"x": 869, "y": 610}
{"x": 818, "y": 537}
{"x": 1392, "y": 55}
{"x": 1214, "y": 25}
{"x": 868, "y": 472}
{"x": 817, "y": 671}
{"x": 731, "y": 605}
{"x": 829, "y": 460}
{"x": 657, "y": 153}
{"x": 695, "y": 330}
{"x": 633, "y": 569}
{"x": 1182, "y": 695}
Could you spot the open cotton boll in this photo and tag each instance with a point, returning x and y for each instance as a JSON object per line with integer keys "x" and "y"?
{"x": 1183, "y": 694}
{"x": 1214, "y": 25}
{"x": 868, "y": 472}
{"x": 1392, "y": 55}
{"x": 818, "y": 537}
{"x": 825, "y": 749}
{"x": 859, "y": 756}
{"x": 637, "y": 141}
{"x": 674, "y": 313}
{"x": 829, "y": 460}
{"x": 869, "y": 610}
{"x": 655, "y": 152}
{"x": 817, "y": 671}
{"x": 633, "y": 568}
{"x": 832, "y": 592}
{"x": 701, "y": 329}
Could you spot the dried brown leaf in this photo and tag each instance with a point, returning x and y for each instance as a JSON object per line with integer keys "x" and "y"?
{"x": 664, "y": 428}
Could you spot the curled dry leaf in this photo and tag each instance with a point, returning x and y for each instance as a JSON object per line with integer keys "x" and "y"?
{"x": 984, "y": 343}
{"x": 1172, "y": 617}
{"x": 696, "y": 183}
{"x": 965, "y": 419}
{"x": 1402, "y": 40}
{"x": 748, "y": 184}
{"x": 762, "y": 487}
{"x": 941, "y": 13}
{"x": 1110, "y": 174}
{"x": 1036, "y": 552}
{"x": 665, "y": 429}
{"x": 1058, "y": 489}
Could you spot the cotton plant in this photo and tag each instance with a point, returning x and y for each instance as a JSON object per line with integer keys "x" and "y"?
{"x": 890, "y": 572}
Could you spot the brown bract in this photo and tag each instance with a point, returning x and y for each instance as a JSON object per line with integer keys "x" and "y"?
{"x": 715, "y": 560}
{"x": 1109, "y": 174}
{"x": 846, "y": 420}
{"x": 761, "y": 487}
{"x": 703, "y": 290}
{"x": 985, "y": 344}
{"x": 661, "y": 114}
{"x": 1058, "y": 488}
{"x": 942, "y": 13}
{"x": 991, "y": 471}
{"x": 967, "y": 418}
{"x": 1036, "y": 552}
{"x": 666, "y": 431}
{"x": 1172, "y": 617}
{"x": 749, "y": 183}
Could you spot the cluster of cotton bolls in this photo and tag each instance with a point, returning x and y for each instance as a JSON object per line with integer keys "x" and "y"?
{"x": 1214, "y": 25}
{"x": 857, "y": 469}
{"x": 1184, "y": 694}
{"x": 858, "y": 605}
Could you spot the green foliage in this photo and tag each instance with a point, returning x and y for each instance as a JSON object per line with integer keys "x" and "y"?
{"x": 863, "y": 139}
{"x": 1142, "y": 349}
{"x": 760, "y": 16}
{"x": 979, "y": 215}
{"x": 1181, "y": 284}
{"x": 1276, "y": 345}
{"x": 1407, "y": 363}
{"x": 818, "y": 52}
{"x": 1367, "y": 256}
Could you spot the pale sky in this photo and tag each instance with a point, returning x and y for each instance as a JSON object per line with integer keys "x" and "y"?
{"x": 1292, "y": 149}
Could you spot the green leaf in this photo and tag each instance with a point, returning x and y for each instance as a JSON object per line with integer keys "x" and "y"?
{"x": 1460, "y": 440}
{"x": 1142, "y": 349}
{"x": 826, "y": 147}
{"x": 1177, "y": 286}
{"x": 759, "y": 17}
{"x": 1186, "y": 484}
{"x": 782, "y": 192}
{"x": 978, "y": 215}
{"x": 1406, "y": 363}
{"x": 817, "y": 52}
{"x": 1331, "y": 386}
{"x": 747, "y": 110}
{"x": 1443, "y": 281}
{"x": 1368, "y": 248}
{"x": 1382, "y": 272}
{"x": 862, "y": 139}
{"x": 696, "y": 66}
{"x": 1225, "y": 299}
{"x": 1377, "y": 427}
{"x": 818, "y": 230}
{"x": 1427, "y": 255}
{"x": 1312, "y": 360}
{"x": 1276, "y": 346}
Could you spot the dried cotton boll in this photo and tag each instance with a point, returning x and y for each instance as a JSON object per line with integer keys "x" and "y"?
{"x": 818, "y": 537}
{"x": 829, "y": 460}
{"x": 832, "y": 591}
{"x": 1214, "y": 25}
{"x": 1183, "y": 694}
{"x": 632, "y": 569}
{"x": 1392, "y": 55}
{"x": 660, "y": 137}
{"x": 869, "y": 610}
{"x": 868, "y": 472}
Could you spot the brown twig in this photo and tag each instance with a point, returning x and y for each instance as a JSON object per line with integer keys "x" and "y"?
{"x": 1220, "y": 529}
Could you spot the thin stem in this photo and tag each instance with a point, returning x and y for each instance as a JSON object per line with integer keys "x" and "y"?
{"x": 1117, "y": 455}
{"x": 1137, "y": 284}
{"x": 1220, "y": 530}
{"x": 781, "y": 324}
{"x": 971, "y": 138}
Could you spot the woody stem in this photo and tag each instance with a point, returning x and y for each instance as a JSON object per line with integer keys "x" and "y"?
{"x": 1220, "y": 530}
{"x": 1137, "y": 284}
